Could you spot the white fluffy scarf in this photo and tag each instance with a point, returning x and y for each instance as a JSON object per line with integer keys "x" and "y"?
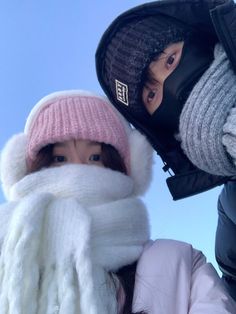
{"x": 70, "y": 227}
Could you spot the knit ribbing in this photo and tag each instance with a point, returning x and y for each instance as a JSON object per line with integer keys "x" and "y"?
{"x": 131, "y": 50}
{"x": 204, "y": 115}
{"x": 229, "y": 137}
{"x": 71, "y": 242}
{"x": 76, "y": 116}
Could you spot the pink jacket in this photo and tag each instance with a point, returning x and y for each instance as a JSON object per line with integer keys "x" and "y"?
{"x": 174, "y": 278}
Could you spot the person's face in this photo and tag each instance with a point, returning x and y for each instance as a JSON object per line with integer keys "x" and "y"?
{"x": 159, "y": 70}
{"x": 76, "y": 152}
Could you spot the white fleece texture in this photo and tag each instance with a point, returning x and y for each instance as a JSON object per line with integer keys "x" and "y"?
{"x": 13, "y": 162}
{"x": 60, "y": 243}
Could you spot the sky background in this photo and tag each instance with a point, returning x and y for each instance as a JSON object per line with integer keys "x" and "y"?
{"x": 49, "y": 45}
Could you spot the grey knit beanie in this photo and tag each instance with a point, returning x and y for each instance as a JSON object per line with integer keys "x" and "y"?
{"x": 207, "y": 123}
{"x": 131, "y": 50}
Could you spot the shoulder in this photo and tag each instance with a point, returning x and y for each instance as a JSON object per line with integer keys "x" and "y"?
{"x": 165, "y": 249}
{"x": 174, "y": 276}
{"x": 177, "y": 261}
{"x": 163, "y": 277}
{"x": 170, "y": 260}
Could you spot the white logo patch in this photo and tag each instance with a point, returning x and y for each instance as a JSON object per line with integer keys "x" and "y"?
{"x": 122, "y": 92}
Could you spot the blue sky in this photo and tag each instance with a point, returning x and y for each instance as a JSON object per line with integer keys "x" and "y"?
{"x": 49, "y": 45}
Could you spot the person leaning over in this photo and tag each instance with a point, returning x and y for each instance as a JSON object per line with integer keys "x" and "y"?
{"x": 170, "y": 68}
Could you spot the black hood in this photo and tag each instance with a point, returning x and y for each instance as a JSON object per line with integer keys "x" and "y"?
{"x": 215, "y": 21}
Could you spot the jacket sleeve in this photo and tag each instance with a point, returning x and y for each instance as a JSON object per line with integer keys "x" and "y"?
{"x": 225, "y": 248}
{"x": 208, "y": 294}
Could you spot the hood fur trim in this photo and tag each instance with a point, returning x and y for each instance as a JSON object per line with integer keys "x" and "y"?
{"x": 13, "y": 162}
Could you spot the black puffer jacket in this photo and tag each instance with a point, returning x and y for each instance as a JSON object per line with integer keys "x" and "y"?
{"x": 217, "y": 20}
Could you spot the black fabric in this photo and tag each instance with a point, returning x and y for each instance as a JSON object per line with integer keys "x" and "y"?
{"x": 230, "y": 285}
{"x": 196, "y": 58}
{"x": 225, "y": 244}
{"x": 224, "y": 21}
{"x": 214, "y": 20}
{"x": 191, "y": 181}
{"x": 131, "y": 50}
{"x": 226, "y": 230}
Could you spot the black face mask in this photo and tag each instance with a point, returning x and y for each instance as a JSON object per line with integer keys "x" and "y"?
{"x": 195, "y": 59}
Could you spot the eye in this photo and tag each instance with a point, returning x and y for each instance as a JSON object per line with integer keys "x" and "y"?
{"x": 95, "y": 157}
{"x": 151, "y": 95}
{"x": 151, "y": 98}
{"x": 170, "y": 60}
{"x": 58, "y": 159}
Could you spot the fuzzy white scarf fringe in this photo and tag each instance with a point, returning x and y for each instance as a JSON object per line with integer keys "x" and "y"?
{"x": 71, "y": 226}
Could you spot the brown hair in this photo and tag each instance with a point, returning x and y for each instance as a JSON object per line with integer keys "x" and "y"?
{"x": 110, "y": 158}
{"x": 126, "y": 276}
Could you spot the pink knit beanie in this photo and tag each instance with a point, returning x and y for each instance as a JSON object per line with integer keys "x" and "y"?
{"x": 69, "y": 115}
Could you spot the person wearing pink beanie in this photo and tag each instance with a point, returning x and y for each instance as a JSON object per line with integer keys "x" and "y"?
{"x": 75, "y": 234}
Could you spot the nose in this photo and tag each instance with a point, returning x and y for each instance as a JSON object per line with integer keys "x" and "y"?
{"x": 75, "y": 157}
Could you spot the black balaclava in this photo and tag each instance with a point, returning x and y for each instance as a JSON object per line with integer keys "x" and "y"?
{"x": 196, "y": 58}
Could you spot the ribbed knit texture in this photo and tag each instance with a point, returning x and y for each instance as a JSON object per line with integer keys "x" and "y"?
{"x": 204, "y": 115}
{"x": 229, "y": 137}
{"x": 130, "y": 51}
{"x": 66, "y": 117}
